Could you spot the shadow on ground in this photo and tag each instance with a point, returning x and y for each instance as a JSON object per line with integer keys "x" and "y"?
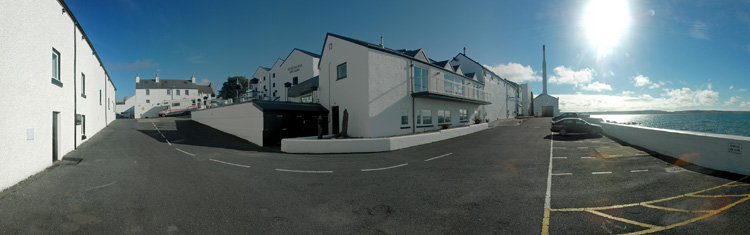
{"x": 190, "y": 132}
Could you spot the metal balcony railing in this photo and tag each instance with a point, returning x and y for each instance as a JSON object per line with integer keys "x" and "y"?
{"x": 445, "y": 87}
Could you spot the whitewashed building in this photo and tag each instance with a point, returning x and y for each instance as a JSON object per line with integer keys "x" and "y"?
{"x": 545, "y": 105}
{"x": 506, "y": 100}
{"x": 394, "y": 92}
{"x": 526, "y": 97}
{"x": 63, "y": 94}
{"x": 299, "y": 66}
{"x": 125, "y": 108}
{"x": 150, "y": 94}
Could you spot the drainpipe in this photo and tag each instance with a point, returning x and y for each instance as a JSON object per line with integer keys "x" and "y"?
{"x": 413, "y": 108}
{"x": 75, "y": 86}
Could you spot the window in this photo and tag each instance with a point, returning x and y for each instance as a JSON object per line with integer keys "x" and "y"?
{"x": 404, "y": 117}
{"x": 453, "y": 86}
{"x": 178, "y": 92}
{"x": 193, "y": 102}
{"x": 264, "y": 78}
{"x": 83, "y": 125}
{"x": 306, "y": 99}
{"x": 148, "y": 91}
{"x": 341, "y": 71}
{"x": 444, "y": 116}
{"x": 176, "y": 104}
{"x": 100, "y": 97}
{"x": 83, "y": 85}
{"x": 463, "y": 115}
{"x": 148, "y": 101}
{"x": 424, "y": 117}
{"x": 169, "y": 91}
{"x": 187, "y": 92}
{"x": 294, "y": 81}
{"x": 420, "y": 79}
{"x": 56, "y": 67}
{"x": 274, "y": 75}
{"x": 274, "y": 84}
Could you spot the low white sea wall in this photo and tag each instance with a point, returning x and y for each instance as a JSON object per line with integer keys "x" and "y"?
{"x": 368, "y": 145}
{"x": 715, "y": 151}
{"x": 242, "y": 120}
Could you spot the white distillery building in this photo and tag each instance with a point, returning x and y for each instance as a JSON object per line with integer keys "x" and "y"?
{"x": 151, "y": 94}
{"x": 506, "y": 100}
{"x": 50, "y": 64}
{"x": 299, "y": 66}
{"x": 394, "y": 92}
{"x": 545, "y": 105}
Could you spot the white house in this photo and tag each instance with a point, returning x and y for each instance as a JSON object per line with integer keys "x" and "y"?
{"x": 299, "y": 66}
{"x": 394, "y": 92}
{"x": 506, "y": 98}
{"x": 151, "y": 94}
{"x": 67, "y": 95}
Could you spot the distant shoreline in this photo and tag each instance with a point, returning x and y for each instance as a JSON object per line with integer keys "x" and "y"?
{"x": 663, "y": 112}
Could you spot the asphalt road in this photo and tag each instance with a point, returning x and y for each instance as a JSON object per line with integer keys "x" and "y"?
{"x": 174, "y": 176}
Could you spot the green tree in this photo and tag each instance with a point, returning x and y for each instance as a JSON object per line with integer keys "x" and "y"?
{"x": 234, "y": 86}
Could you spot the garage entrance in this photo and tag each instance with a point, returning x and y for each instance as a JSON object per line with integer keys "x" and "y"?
{"x": 548, "y": 111}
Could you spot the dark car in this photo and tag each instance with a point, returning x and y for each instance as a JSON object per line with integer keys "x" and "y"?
{"x": 565, "y": 115}
{"x": 575, "y": 125}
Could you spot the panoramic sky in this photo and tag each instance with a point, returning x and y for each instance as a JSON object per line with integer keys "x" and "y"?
{"x": 601, "y": 55}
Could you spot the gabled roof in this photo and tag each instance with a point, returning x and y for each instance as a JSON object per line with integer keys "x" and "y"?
{"x": 303, "y": 87}
{"x": 206, "y": 89}
{"x": 378, "y": 47}
{"x": 441, "y": 64}
{"x": 267, "y": 69}
{"x": 486, "y": 69}
{"x": 306, "y": 52}
{"x": 165, "y": 84}
{"x": 471, "y": 75}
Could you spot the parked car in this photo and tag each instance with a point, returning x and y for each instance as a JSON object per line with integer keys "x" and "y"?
{"x": 565, "y": 115}
{"x": 575, "y": 125}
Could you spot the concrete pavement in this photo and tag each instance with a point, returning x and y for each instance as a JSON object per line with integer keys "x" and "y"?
{"x": 174, "y": 176}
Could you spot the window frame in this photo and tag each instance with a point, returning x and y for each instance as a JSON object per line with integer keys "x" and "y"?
{"x": 177, "y": 92}
{"x": 422, "y": 78}
{"x": 169, "y": 91}
{"x": 444, "y": 116}
{"x": 83, "y": 85}
{"x": 56, "y": 79}
{"x": 338, "y": 71}
{"x": 404, "y": 117}
{"x": 148, "y": 101}
{"x": 421, "y": 118}
{"x": 187, "y": 92}
{"x": 148, "y": 91}
{"x": 463, "y": 115}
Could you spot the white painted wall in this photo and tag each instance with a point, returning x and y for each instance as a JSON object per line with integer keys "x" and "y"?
{"x": 703, "y": 149}
{"x": 29, "y": 30}
{"x": 242, "y": 120}
{"x": 525, "y": 99}
{"x": 297, "y": 64}
{"x": 156, "y": 97}
{"x": 546, "y": 100}
{"x": 262, "y": 87}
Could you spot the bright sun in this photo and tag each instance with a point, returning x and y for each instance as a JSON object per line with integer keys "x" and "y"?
{"x": 605, "y": 21}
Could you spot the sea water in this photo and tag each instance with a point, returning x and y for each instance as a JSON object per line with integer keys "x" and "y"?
{"x": 719, "y": 123}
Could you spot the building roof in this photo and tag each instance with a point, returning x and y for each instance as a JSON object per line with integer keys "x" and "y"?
{"x": 441, "y": 63}
{"x": 469, "y": 74}
{"x": 267, "y": 69}
{"x": 307, "y": 52}
{"x": 303, "y": 87}
{"x": 206, "y": 89}
{"x": 488, "y": 70}
{"x": 277, "y": 106}
{"x": 165, "y": 84}
{"x": 387, "y": 50}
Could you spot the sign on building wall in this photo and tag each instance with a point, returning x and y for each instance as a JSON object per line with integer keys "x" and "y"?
{"x": 295, "y": 68}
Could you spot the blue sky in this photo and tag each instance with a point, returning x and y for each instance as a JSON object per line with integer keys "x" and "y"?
{"x": 667, "y": 55}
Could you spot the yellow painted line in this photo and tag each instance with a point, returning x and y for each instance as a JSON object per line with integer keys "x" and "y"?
{"x": 675, "y": 209}
{"x": 737, "y": 185}
{"x": 622, "y": 219}
{"x": 686, "y": 222}
{"x": 545, "y": 222}
{"x": 740, "y": 195}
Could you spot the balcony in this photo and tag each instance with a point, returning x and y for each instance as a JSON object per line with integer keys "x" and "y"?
{"x": 454, "y": 90}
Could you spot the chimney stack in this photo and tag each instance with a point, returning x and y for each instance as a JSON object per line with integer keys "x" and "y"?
{"x": 137, "y": 78}
{"x": 157, "y": 77}
{"x": 381, "y": 42}
{"x": 464, "y": 50}
{"x": 193, "y": 78}
{"x": 544, "y": 69}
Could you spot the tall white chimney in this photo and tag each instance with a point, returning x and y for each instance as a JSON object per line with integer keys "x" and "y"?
{"x": 544, "y": 69}
{"x": 157, "y": 77}
{"x": 193, "y": 78}
{"x": 137, "y": 78}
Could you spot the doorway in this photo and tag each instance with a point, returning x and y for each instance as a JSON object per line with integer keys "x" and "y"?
{"x": 55, "y": 135}
{"x": 335, "y": 120}
{"x": 548, "y": 111}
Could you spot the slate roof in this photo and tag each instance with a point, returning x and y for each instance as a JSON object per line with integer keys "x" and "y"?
{"x": 165, "y": 84}
{"x": 441, "y": 63}
{"x": 471, "y": 75}
{"x": 307, "y": 52}
{"x": 206, "y": 89}
{"x": 277, "y": 106}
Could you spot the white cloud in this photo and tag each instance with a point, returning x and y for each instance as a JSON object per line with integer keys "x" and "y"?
{"x": 204, "y": 82}
{"x": 564, "y": 75}
{"x": 745, "y": 104}
{"x": 731, "y": 87}
{"x": 732, "y": 100}
{"x": 654, "y": 86}
{"x": 699, "y": 30}
{"x": 742, "y": 90}
{"x": 608, "y": 74}
{"x": 670, "y": 99}
{"x": 197, "y": 59}
{"x": 515, "y": 72}
{"x": 627, "y": 93}
{"x": 136, "y": 65}
{"x": 597, "y": 86}
{"x": 641, "y": 80}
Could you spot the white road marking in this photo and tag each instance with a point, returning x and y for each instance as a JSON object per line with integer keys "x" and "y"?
{"x": 385, "y": 168}
{"x": 228, "y": 163}
{"x": 183, "y": 151}
{"x": 285, "y": 170}
{"x": 548, "y": 196}
{"x": 582, "y": 147}
{"x": 601, "y": 173}
{"x": 560, "y": 157}
{"x": 437, "y": 157}
{"x": 162, "y": 135}
{"x": 634, "y": 171}
{"x": 98, "y": 187}
{"x": 165, "y": 139}
{"x": 562, "y": 174}
{"x": 558, "y": 147}
{"x": 587, "y": 157}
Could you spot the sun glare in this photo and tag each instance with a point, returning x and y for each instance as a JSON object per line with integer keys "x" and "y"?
{"x": 605, "y": 21}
